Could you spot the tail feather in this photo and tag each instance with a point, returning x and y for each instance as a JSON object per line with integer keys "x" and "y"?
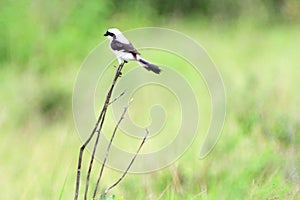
{"x": 149, "y": 66}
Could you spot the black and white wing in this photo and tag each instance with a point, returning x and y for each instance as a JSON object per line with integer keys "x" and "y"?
{"x": 124, "y": 47}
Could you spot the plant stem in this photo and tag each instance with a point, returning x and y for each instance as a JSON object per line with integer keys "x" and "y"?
{"x": 82, "y": 148}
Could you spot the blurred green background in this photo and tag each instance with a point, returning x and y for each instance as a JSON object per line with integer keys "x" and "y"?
{"x": 255, "y": 45}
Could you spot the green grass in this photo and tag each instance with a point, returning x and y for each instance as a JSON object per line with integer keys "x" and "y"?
{"x": 255, "y": 158}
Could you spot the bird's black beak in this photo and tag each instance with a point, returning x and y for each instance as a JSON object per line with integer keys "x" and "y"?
{"x": 106, "y": 34}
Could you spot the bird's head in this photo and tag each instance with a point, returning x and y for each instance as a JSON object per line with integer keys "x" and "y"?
{"x": 112, "y": 33}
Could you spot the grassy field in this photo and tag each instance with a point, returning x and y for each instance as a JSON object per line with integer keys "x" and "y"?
{"x": 256, "y": 156}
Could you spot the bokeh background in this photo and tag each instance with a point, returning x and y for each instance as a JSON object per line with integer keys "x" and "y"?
{"x": 255, "y": 45}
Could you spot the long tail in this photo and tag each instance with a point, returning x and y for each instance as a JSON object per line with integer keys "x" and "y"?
{"x": 149, "y": 66}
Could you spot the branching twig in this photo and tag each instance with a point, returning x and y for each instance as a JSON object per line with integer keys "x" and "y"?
{"x": 99, "y": 121}
{"x": 108, "y": 147}
{"x": 118, "y": 97}
{"x": 80, "y": 157}
{"x": 131, "y": 162}
{"x": 117, "y": 75}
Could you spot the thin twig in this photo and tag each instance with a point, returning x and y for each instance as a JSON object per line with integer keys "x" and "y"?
{"x": 131, "y": 162}
{"x": 118, "y": 97}
{"x": 117, "y": 75}
{"x": 81, "y": 154}
{"x": 108, "y": 148}
{"x": 94, "y": 131}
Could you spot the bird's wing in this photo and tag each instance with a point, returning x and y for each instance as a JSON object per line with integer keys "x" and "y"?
{"x": 119, "y": 46}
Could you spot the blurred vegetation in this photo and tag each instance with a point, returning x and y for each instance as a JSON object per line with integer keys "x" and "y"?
{"x": 49, "y": 30}
{"x": 254, "y": 43}
{"x": 268, "y": 10}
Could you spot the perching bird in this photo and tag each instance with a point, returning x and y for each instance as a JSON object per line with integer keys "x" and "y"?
{"x": 125, "y": 51}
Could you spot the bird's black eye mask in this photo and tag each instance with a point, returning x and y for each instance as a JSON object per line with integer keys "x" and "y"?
{"x": 109, "y": 34}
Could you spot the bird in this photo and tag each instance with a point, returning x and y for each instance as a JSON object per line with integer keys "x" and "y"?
{"x": 125, "y": 51}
